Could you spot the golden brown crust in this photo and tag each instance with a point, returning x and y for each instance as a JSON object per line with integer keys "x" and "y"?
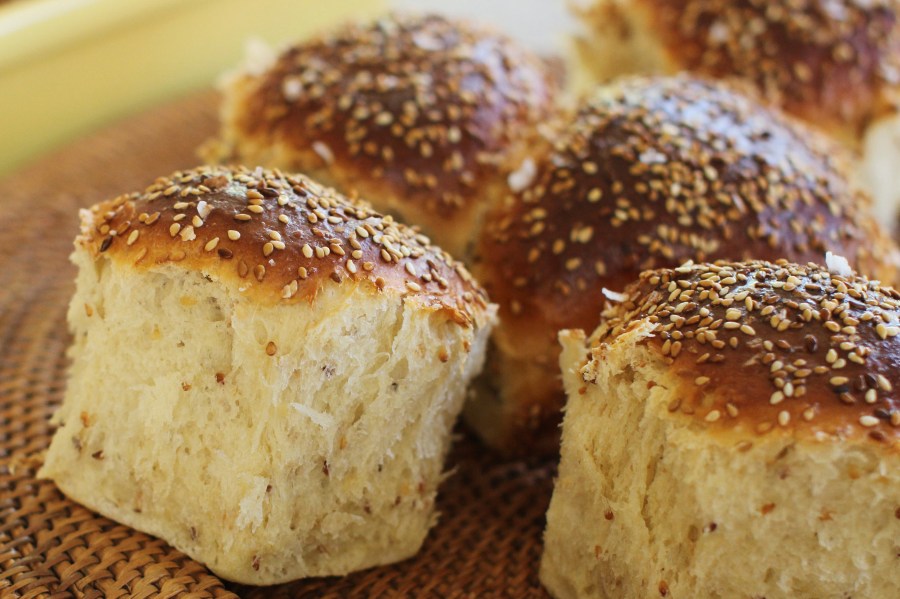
{"x": 651, "y": 173}
{"x": 279, "y": 238}
{"x": 832, "y": 62}
{"x": 658, "y": 171}
{"x": 763, "y": 346}
{"x": 426, "y": 107}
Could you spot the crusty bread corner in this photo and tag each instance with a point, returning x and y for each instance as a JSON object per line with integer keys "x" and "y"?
{"x": 650, "y": 504}
{"x": 270, "y": 442}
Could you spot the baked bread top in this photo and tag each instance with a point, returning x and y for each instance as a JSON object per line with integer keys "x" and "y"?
{"x": 278, "y": 238}
{"x": 424, "y": 105}
{"x": 833, "y": 62}
{"x": 762, "y": 346}
{"x": 652, "y": 172}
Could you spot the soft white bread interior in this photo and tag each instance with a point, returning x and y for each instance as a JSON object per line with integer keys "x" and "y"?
{"x": 678, "y": 478}
{"x": 271, "y": 425}
{"x": 878, "y": 168}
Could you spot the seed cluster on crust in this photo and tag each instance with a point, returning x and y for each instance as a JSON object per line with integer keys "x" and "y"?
{"x": 828, "y": 57}
{"x": 772, "y": 345}
{"x": 280, "y": 236}
{"x": 429, "y": 106}
{"x": 656, "y": 171}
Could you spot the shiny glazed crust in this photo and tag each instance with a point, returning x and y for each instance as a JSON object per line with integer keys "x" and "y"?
{"x": 421, "y": 114}
{"x": 652, "y": 172}
{"x": 278, "y": 238}
{"x": 833, "y": 63}
{"x": 759, "y": 347}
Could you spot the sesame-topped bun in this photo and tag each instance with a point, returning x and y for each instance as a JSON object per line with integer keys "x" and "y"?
{"x": 764, "y": 346}
{"x": 280, "y": 238}
{"x": 732, "y": 430}
{"x": 650, "y": 173}
{"x": 423, "y": 115}
{"x": 835, "y": 63}
{"x": 265, "y": 373}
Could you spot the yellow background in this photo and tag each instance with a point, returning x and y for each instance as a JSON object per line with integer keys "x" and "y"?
{"x": 67, "y": 66}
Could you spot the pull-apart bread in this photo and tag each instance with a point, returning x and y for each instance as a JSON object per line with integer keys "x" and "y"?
{"x": 426, "y": 117}
{"x": 833, "y": 63}
{"x": 265, "y": 374}
{"x": 732, "y": 430}
{"x": 649, "y": 173}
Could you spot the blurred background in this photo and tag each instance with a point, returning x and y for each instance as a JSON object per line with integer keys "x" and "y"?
{"x": 67, "y": 67}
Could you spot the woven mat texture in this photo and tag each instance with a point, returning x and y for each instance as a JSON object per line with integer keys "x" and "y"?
{"x": 487, "y": 543}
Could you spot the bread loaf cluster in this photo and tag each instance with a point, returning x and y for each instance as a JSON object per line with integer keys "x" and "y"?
{"x": 650, "y": 172}
{"x": 266, "y": 371}
{"x": 833, "y": 63}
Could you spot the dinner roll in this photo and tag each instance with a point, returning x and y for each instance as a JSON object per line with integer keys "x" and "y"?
{"x": 423, "y": 115}
{"x": 835, "y": 63}
{"x": 649, "y": 173}
{"x": 732, "y": 430}
{"x": 265, "y": 374}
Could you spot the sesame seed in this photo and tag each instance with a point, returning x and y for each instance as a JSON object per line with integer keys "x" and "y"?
{"x": 289, "y": 290}
{"x": 871, "y": 396}
{"x": 233, "y": 235}
{"x": 211, "y": 244}
{"x": 868, "y": 421}
{"x": 132, "y": 237}
{"x": 784, "y": 418}
{"x": 187, "y": 233}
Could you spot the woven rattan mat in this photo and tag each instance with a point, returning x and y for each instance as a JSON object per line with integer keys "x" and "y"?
{"x": 487, "y": 543}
